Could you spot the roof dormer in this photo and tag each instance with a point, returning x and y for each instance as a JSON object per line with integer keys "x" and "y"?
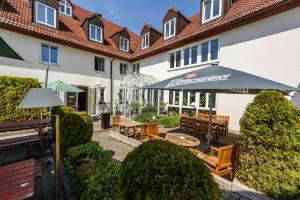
{"x": 66, "y": 7}
{"x": 122, "y": 39}
{"x": 94, "y": 28}
{"x": 212, "y": 10}
{"x": 174, "y": 23}
{"x": 45, "y": 12}
{"x": 149, "y": 36}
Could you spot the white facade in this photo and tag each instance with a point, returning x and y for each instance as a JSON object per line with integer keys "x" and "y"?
{"x": 269, "y": 48}
{"x": 75, "y": 67}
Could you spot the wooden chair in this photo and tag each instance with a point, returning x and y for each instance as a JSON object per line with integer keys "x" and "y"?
{"x": 220, "y": 164}
{"x": 116, "y": 120}
{"x": 142, "y": 132}
{"x": 182, "y": 118}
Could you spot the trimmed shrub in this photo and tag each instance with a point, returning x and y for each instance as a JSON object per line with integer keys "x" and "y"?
{"x": 104, "y": 185}
{"x": 169, "y": 121}
{"x": 269, "y": 158}
{"x": 82, "y": 162}
{"x": 12, "y": 91}
{"x": 61, "y": 110}
{"x": 162, "y": 170}
{"x": 146, "y": 117}
{"x": 76, "y": 128}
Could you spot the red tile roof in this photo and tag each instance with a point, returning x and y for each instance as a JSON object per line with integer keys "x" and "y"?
{"x": 16, "y": 16}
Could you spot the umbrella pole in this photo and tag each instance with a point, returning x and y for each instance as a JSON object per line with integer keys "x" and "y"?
{"x": 209, "y": 136}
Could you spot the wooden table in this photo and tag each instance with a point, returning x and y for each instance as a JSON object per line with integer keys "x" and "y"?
{"x": 126, "y": 126}
{"x": 17, "y": 180}
{"x": 182, "y": 139}
{"x": 13, "y": 138}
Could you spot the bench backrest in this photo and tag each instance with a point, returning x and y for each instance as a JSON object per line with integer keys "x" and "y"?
{"x": 21, "y": 125}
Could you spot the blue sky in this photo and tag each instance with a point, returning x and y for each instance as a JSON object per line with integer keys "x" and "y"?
{"x": 134, "y": 13}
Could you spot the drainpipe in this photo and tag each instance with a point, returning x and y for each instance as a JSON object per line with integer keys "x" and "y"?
{"x": 111, "y": 86}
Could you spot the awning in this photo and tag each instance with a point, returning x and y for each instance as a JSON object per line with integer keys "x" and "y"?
{"x": 7, "y": 51}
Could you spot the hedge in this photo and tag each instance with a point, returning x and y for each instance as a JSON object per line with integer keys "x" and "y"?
{"x": 269, "y": 158}
{"x": 162, "y": 170}
{"x": 12, "y": 91}
{"x": 76, "y": 129}
{"x": 82, "y": 162}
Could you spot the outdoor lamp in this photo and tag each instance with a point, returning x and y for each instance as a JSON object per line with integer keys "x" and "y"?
{"x": 46, "y": 98}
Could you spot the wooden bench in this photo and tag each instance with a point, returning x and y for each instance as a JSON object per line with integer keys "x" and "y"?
{"x": 21, "y": 125}
{"x": 17, "y": 179}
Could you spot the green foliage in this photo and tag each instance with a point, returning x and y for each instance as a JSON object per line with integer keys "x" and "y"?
{"x": 270, "y": 146}
{"x": 136, "y": 105}
{"x": 82, "y": 162}
{"x": 169, "y": 121}
{"x": 76, "y": 128}
{"x": 61, "y": 110}
{"x": 146, "y": 117}
{"x": 104, "y": 185}
{"x": 12, "y": 91}
{"x": 149, "y": 108}
{"x": 162, "y": 170}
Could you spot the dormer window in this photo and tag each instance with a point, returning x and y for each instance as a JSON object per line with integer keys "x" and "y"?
{"x": 124, "y": 44}
{"x": 45, "y": 14}
{"x": 96, "y": 33}
{"x": 145, "y": 40}
{"x": 211, "y": 9}
{"x": 170, "y": 28}
{"x": 65, "y": 8}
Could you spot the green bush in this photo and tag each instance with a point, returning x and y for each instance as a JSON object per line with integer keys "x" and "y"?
{"x": 162, "y": 170}
{"x": 12, "y": 91}
{"x": 169, "y": 121}
{"x": 76, "y": 128}
{"x": 61, "y": 110}
{"x": 104, "y": 185}
{"x": 149, "y": 108}
{"x": 146, "y": 117}
{"x": 269, "y": 158}
{"x": 82, "y": 161}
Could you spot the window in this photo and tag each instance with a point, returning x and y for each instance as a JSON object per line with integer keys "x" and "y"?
{"x": 136, "y": 68}
{"x": 45, "y": 15}
{"x": 186, "y": 56}
{"x": 170, "y": 28}
{"x": 171, "y": 93}
{"x": 49, "y": 54}
{"x": 204, "y": 100}
{"x": 185, "y": 98}
{"x": 192, "y": 99}
{"x": 214, "y": 50}
{"x": 204, "y": 52}
{"x": 194, "y": 54}
{"x": 123, "y": 68}
{"x": 99, "y": 64}
{"x": 65, "y": 8}
{"x": 176, "y": 97}
{"x": 101, "y": 96}
{"x": 145, "y": 40}
{"x": 172, "y": 60}
{"x": 96, "y": 33}
{"x": 211, "y": 10}
{"x": 124, "y": 44}
{"x": 178, "y": 58}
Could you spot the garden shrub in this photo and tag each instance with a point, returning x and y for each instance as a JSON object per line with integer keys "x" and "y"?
{"x": 61, "y": 110}
{"x": 76, "y": 128}
{"x": 146, "y": 117}
{"x": 269, "y": 158}
{"x": 12, "y": 91}
{"x": 104, "y": 185}
{"x": 83, "y": 161}
{"x": 169, "y": 121}
{"x": 149, "y": 108}
{"x": 162, "y": 170}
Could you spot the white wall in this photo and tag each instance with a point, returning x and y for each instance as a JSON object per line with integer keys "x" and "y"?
{"x": 269, "y": 48}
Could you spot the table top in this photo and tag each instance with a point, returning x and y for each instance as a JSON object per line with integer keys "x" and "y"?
{"x": 18, "y": 137}
{"x": 130, "y": 124}
{"x": 17, "y": 180}
{"x": 182, "y": 139}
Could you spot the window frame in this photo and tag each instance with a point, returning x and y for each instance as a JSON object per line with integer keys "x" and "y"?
{"x": 123, "y": 68}
{"x": 120, "y": 44}
{"x": 211, "y": 11}
{"x": 136, "y": 68}
{"x": 101, "y": 33}
{"x": 169, "y": 32}
{"x": 49, "y": 53}
{"x": 145, "y": 43}
{"x": 97, "y": 70}
{"x": 46, "y": 14}
{"x": 66, "y": 5}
